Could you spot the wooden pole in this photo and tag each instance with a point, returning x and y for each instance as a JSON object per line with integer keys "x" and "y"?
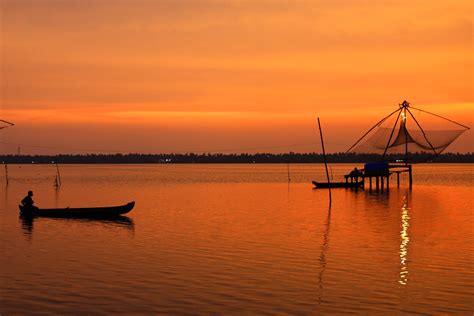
{"x": 288, "y": 168}
{"x": 325, "y": 162}
{"x": 378, "y": 124}
{"x": 410, "y": 176}
{"x": 406, "y": 136}
{"x": 391, "y": 135}
{"x": 58, "y": 174}
{"x": 6, "y": 173}
{"x": 423, "y": 131}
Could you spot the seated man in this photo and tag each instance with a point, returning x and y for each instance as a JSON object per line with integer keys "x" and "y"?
{"x": 28, "y": 202}
{"x": 354, "y": 173}
{"x": 358, "y": 173}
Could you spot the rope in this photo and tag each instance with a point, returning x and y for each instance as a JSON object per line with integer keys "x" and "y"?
{"x": 442, "y": 117}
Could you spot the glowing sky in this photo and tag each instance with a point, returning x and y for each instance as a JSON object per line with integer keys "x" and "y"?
{"x": 186, "y": 75}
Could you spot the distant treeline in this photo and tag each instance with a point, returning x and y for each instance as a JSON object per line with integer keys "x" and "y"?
{"x": 231, "y": 158}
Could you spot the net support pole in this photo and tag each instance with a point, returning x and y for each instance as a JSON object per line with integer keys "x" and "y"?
{"x": 406, "y": 136}
{"x": 325, "y": 162}
{"x": 6, "y": 122}
{"x": 378, "y": 123}
{"x": 424, "y": 135}
{"x": 391, "y": 134}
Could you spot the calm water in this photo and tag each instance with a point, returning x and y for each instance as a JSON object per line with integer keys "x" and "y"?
{"x": 235, "y": 239}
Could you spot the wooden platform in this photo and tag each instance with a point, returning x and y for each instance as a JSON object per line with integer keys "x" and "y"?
{"x": 382, "y": 179}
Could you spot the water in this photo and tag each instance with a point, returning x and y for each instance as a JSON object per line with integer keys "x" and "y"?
{"x": 236, "y": 239}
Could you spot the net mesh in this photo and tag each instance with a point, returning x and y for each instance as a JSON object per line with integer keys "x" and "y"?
{"x": 405, "y": 131}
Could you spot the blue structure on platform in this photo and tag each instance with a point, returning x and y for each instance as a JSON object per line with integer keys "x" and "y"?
{"x": 373, "y": 169}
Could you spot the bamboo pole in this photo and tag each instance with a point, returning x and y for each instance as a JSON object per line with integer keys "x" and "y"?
{"x": 423, "y": 131}
{"x": 378, "y": 124}
{"x": 58, "y": 174}
{"x": 288, "y": 169}
{"x": 391, "y": 135}
{"x": 410, "y": 176}
{"x": 406, "y": 135}
{"x": 6, "y": 173}
{"x": 325, "y": 162}
{"x": 9, "y": 123}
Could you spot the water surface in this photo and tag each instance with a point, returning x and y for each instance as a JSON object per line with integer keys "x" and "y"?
{"x": 236, "y": 239}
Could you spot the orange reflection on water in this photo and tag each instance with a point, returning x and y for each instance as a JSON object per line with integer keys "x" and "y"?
{"x": 404, "y": 241}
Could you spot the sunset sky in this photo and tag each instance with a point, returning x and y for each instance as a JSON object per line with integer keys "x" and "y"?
{"x": 183, "y": 75}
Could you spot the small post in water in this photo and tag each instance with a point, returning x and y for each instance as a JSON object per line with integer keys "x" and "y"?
{"x": 325, "y": 162}
{"x": 59, "y": 175}
{"x": 57, "y": 181}
{"x": 288, "y": 168}
{"x": 6, "y": 173}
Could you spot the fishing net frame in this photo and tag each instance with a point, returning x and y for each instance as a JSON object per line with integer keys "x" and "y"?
{"x": 6, "y": 122}
{"x": 398, "y": 139}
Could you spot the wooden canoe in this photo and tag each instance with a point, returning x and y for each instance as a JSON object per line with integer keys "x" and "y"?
{"x": 325, "y": 185}
{"x": 88, "y": 212}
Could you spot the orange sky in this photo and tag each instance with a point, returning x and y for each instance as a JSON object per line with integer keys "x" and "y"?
{"x": 186, "y": 75}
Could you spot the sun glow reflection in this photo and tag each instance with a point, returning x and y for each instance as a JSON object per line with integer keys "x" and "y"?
{"x": 404, "y": 241}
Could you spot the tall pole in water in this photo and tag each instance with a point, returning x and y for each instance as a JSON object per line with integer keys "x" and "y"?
{"x": 325, "y": 162}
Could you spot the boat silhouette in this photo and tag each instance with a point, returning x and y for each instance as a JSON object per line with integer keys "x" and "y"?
{"x": 84, "y": 212}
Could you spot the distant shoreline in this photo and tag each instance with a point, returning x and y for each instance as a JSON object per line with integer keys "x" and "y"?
{"x": 230, "y": 158}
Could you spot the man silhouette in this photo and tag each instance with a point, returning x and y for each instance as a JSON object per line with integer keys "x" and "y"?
{"x": 28, "y": 202}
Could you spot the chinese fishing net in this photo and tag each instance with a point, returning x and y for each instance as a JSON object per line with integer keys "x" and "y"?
{"x": 409, "y": 130}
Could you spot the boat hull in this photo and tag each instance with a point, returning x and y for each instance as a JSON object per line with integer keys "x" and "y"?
{"x": 325, "y": 185}
{"x": 91, "y": 212}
